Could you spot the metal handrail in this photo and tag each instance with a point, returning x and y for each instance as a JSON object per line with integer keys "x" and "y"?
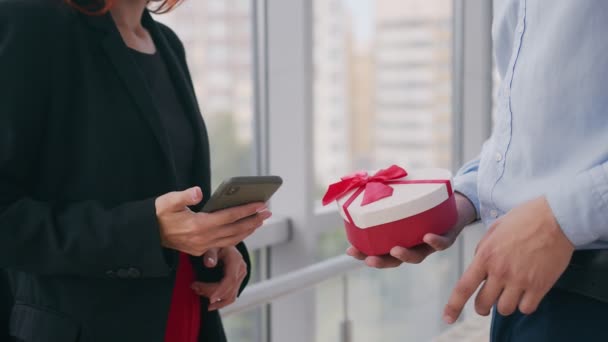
{"x": 280, "y": 286}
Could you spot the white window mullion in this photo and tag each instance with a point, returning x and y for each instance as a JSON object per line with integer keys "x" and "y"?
{"x": 289, "y": 70}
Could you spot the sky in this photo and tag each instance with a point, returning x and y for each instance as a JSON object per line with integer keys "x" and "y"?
{"x": 363, "y": 18}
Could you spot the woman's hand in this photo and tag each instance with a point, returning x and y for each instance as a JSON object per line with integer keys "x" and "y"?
{"x": 195, "y": 233}
{"x": 225, "y": 292}
{"x": 432, "y": 242}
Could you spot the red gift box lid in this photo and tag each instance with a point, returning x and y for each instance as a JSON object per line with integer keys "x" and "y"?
{"x": 407, "y": 199}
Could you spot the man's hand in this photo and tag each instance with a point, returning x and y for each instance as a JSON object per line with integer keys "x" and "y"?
{"x": 432, "y": 242}
{"x": 520, "y": 258}
{"x": 225, "y": 292}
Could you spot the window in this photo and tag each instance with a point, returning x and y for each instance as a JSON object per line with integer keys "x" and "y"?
{"x": 386, "y": 65}
{"x": 312, "y": 90}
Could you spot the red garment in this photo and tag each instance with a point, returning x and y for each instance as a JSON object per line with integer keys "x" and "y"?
{"x": 183, "y": 324}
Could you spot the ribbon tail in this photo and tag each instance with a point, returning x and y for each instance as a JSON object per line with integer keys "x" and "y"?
{"x": 337, "y": 190}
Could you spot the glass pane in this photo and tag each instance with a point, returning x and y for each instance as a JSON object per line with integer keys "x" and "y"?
{"x": 403, "y": 304}
{"x": 382, "y": 92}
{"x": 329, "y": 310}
{"x": 331, "y": 243}
{"x": 218, "y": 40}
{"x": 245, "y": 327}
{"x": 382, "y": 85}
{"x": 248, "y": 326}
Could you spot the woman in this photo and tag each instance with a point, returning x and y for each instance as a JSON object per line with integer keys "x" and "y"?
{"x": 104, "y": 163}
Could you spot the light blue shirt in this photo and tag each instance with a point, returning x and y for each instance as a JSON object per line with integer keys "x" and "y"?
{"x": 550, "y": 134}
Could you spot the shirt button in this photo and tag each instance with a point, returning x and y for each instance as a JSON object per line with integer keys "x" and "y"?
{"x": 494, "y": 213}
{"x": 498, "y": 157}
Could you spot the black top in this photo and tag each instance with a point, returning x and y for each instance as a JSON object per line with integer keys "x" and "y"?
{"x": 174, "y": 119}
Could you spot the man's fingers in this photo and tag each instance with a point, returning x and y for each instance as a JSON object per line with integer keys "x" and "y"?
{"x": 412, "y": 255}
{"x": 529, "y": 302}
{"x": 509, "y": 300}
{"x": 488, "y": 296}
{"x": 438, "y": 242}
{"x": 384, "y": 261}
{"x": 355, "y": 253}
{"x": 466, "y": 286}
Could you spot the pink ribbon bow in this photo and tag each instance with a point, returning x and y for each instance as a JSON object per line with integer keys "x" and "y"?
{"x": 376, "y": 187}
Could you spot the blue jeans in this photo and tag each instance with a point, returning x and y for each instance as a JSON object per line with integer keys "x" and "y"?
{"x": 561, "y": 317}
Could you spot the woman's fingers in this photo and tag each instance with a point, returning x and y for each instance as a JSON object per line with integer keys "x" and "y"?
{"x": 234, "y": 273}
{"x": 232, "y": 234}
{"x": 210, "y": 257}
{"x": 204, "y": 289}
{"x": 244, "y": 226}
{"x": 232, "y": 215}
{"x": 228, "y": 289}
{"x": 223, "y": 302}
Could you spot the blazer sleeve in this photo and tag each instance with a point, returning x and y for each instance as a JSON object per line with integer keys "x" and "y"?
{"x": 84, "y": 238}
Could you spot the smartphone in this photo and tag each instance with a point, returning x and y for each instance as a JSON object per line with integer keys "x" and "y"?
{"x": 239, "y": 191}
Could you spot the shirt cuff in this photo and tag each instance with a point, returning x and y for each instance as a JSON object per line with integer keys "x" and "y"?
{"x": 466, "y": 184}
{"x": 580, "y": 206}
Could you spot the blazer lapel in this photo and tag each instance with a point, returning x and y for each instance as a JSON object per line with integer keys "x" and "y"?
{"x": 133, "y": 79}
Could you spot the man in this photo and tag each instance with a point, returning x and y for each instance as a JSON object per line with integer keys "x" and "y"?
{"x": 541, "y": 182}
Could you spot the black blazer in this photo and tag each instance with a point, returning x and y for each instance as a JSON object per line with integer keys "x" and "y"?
{"x": 83, "y": 157}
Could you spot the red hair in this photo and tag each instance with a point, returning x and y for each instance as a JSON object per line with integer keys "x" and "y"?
{"x": 98, "y": 7}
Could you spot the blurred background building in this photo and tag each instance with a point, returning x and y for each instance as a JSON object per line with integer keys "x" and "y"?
{"x": 382, "y": 85}
{"x": 412, "y": 72}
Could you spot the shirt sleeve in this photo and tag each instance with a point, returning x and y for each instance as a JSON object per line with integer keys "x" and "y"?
{"x": 580, "y": 205}
{"x": 465, "y": 183}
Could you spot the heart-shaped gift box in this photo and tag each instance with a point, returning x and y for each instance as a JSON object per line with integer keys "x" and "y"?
{"x": 394, "y": 207}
